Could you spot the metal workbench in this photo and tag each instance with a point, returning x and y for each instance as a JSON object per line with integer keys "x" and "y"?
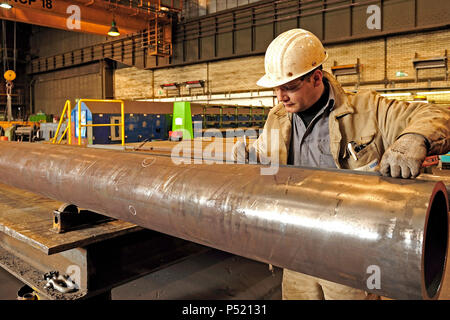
{"x": 99, "y": 256}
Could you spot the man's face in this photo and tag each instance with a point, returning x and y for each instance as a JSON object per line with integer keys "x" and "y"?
{"x": 299, "y": 95}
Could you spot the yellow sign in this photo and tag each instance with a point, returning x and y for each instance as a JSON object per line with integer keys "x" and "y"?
{"x": 9, "y": 75}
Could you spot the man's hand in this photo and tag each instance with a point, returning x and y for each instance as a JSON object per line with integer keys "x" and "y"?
{"x": 404, "y": 158}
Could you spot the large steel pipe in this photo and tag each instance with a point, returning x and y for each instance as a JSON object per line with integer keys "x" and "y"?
{"x": 437, "y": 177}
{"x": 383, "y": 235}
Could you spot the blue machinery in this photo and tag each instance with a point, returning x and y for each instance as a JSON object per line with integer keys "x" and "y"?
{"x": 102, "y": 123}
{"x": 138, "y": 127}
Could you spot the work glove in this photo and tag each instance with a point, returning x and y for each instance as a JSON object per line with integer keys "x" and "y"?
{"x": 239, "y": 152}
{"x": 404, "y": 157}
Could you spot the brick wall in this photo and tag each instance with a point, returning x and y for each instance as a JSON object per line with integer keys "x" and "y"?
{"x": 222, "y": 76}
{"x": 179, "y": 75}
{"x": 401, "y": 51}
{"x": 371, "y": 59}
{"x": 132, "y": 83}
{"x": 378, "y": 58}
{"x": 236, "y": 75}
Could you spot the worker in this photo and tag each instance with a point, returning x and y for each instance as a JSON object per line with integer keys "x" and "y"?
{"x": 317, "y": 124}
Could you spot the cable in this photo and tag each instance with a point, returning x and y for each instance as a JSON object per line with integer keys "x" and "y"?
{"x": 5, "y": 49}
{"x": 14, "y": 52}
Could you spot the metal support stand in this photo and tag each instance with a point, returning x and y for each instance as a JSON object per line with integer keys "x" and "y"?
{"x": 81, "y": 260}
{"x": 431, "y": 63}
{"x": 68, "y": 217}
{"x": 348, "y": 69}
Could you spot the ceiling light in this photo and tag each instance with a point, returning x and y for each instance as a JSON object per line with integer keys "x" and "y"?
{"x": 433, "y": 92}
{"x": 399, "y": 94}
{"x": 5, "y": 5}
{"x": 113, "y": 31}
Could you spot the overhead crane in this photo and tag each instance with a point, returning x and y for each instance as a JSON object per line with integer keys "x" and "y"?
{"x": 152, "y": 18}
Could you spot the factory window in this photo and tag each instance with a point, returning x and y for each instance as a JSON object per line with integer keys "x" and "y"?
{"x": 197, "y": 8}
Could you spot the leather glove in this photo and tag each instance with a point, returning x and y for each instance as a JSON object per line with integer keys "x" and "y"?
{"x": 239, "y": 152}
{"x": 404, "y": 157}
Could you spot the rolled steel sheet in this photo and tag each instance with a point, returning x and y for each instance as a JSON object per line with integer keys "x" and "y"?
{"x": 382, "y": 235}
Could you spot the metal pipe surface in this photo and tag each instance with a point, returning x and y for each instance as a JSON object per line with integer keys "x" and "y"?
{"x": 438, "y": 176}
{"x": 347, "y": 227}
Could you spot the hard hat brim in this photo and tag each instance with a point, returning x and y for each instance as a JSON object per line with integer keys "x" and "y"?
{"x": 266, "y": 82}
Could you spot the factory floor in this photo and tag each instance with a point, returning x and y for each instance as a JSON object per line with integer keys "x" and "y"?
{"x": 212, "y": 275}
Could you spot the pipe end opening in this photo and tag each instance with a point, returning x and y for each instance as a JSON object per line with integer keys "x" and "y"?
{"x": 436, "y": 241}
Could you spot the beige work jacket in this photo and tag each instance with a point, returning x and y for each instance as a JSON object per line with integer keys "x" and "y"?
{"x": 365, "y": 118}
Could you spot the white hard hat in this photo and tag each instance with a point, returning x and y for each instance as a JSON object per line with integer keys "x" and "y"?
{"x": 292, "y": 54}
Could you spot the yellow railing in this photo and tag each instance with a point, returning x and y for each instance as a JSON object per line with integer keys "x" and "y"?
{"x": 68, "y": 129}
{"x": 121, "y": 124}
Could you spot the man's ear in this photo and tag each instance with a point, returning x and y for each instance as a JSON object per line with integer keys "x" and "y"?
{"x": 317, "y": 77}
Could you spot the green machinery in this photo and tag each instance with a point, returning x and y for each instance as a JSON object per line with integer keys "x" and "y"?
{"x": 182, "y": 119}
{"x": 216, "y": 116}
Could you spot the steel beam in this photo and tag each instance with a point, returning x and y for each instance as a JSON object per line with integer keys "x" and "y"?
{"x": 97, "y": 267}
{"x": 95, "y": 18}
{"x": 339, "y": 226}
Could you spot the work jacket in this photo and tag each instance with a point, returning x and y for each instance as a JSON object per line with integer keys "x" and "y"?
{"x": 369, "y": 120}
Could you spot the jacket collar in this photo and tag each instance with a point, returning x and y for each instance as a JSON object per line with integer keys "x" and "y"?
{"x": 341, "y": 105}
{"x": 280, "y": 111}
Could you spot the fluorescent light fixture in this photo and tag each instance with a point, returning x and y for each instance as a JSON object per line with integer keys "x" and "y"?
{"x": 5, "y": 5}
{"x": 113, "y": 31}
{"x": 433, "y": 92}
{"x": 169, "y": 86}
{"x": 399, "y": 94}
{"x": 194, "y": 84}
